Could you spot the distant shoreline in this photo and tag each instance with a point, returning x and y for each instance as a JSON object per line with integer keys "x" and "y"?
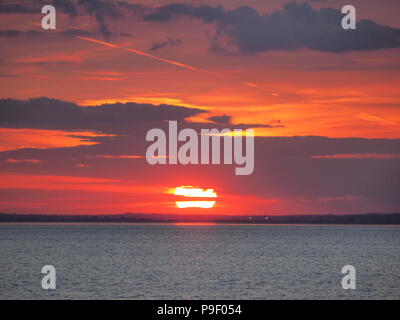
{"x": 130, "y": 218}
{"x": 194, "y": 224}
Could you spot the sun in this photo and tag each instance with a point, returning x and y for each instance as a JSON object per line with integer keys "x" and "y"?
{"x": 194, "y": 192}
{"x": 195, "y": 204}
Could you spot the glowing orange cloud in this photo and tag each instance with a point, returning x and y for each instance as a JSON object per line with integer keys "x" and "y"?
{"x": 11, "y": 139}
{"x": 101, "y": 78}
{"x": 21, "y": 181}
{"x": 11, "y": 160}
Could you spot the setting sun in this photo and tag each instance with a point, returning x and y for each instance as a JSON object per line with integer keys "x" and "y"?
{"x": 194, "y": 192}
{"x": 189, "y": 191}
{"x": 195, "y": 204}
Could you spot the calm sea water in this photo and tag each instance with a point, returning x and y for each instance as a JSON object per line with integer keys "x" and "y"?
{"x": 199, "y": 262}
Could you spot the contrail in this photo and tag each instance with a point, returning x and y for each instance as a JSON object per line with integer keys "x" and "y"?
{"x": 176, "y": 63}
{"x": 140, "y": 53}
{"x": 148, "y": 55}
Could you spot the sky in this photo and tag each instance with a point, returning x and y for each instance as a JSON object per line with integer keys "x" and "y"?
{"x": 76, "y": 104}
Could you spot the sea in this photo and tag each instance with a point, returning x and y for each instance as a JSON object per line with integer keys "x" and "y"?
{"x": 204, "y": 261}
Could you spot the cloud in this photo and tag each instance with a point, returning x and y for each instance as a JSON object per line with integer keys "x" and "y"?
{"x": 165, "y": 43}
{"x": 76, "y": 32}
{"x": 370, "y": 156}
{"x": 11, "y": 33}
{"x": 226, "y": 122}
{"x": 100, "y": 10}
{"x": 166, "y": 13}
{"x": 66, "y": 6}
{"x": 11, "y": 160}
{"x": 45, "y": 113}
{"x": 112, "y": 118}
{"x": 287, "y": 169}
{"x": 304, "y": 174}
{"x": 109, "y": 156}
{"x": 17, "y": 8}
{"x": 295, "y": 26}
{"x": 299, "y": 167}
{"x": 221, "y": 119}
{"x": 35, "y": 6}
{"x": 8, "y": 75}
{"x": 19, "y": 138}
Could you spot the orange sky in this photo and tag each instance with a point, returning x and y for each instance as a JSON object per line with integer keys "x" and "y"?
{"x": 303, "y": 92}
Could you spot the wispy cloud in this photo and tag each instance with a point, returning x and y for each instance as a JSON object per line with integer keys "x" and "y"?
{"x": 376, "y": 156}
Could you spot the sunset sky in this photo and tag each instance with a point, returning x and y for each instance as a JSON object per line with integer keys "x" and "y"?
{"x": 77, "y": 102}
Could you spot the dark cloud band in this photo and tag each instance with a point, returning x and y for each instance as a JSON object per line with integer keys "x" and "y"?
{"x": 45, "y": 113}
{"x": 295, "y": 26}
